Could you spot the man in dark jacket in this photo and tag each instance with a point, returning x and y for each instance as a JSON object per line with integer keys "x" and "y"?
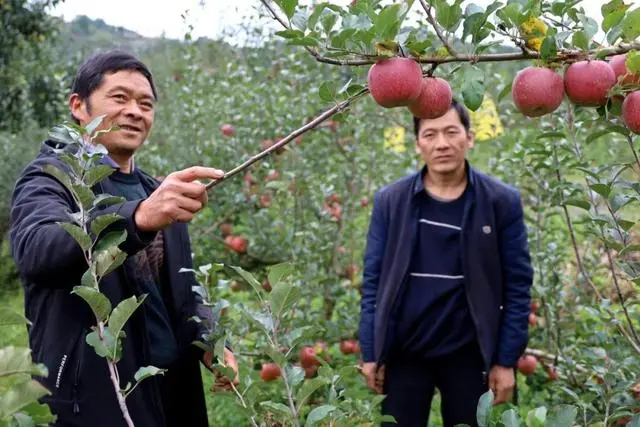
{"x": 155, "y": 215}
{"x": 446, "y": 282}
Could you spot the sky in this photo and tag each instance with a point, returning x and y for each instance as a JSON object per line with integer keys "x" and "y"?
{"x": 210, "y": 18}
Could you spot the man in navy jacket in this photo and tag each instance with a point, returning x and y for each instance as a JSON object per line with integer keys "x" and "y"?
{"x": 155, "y": 216}
{"x": 446, "y": 282}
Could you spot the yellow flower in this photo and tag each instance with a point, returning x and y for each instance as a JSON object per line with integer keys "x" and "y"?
{"x": 394, "y": 139}
{"x": 534, "y": 43}
{"x": 533, "y": 31}
{"x": 485, "y": 121}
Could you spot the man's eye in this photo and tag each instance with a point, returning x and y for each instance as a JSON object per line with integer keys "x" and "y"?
{"x": 119, "y": 97}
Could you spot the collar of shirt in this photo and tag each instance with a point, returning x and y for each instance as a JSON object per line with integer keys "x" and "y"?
{"x": 418, "y": 184}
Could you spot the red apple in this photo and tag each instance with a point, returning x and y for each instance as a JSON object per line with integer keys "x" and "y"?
{"x": 249, "y": 179}
{"x": 349, "y": 346}
{"x": 226, "y": 229}
{"x": 227, "y": 129}
{"x": 273, "y": 176}
{"x": 535, "y": 305}
{"x": 587, "y": 83}
{"x": 308, "y": 357}
{"x": 364, "y": 202}
{"x": 620, "y": 69}
{"x": 270, "y": 371}
{"x": 336, "y": 212}
{"x": 236, "y": 243}
{"x": 333, "y": 198}
{"x": 631, "y": 111}
{"x": 266, "y": 285}
{"x": 395, "y": 82}
{"x": 434, "y": 100}
{"x": 537, "y": 91}
{"x": 350, "y": 271}
{"x": 552, "y": 374}
{"x": 265, "y": 200}
{"x": 310, "y": 371}
{"x": 527, "y": 364}
{"x": 533, "y": 319}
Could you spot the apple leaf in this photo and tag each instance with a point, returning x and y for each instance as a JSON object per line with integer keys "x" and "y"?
{"x": 288, "y": 6}
{"x": 106, "y": 347}
{"x": 107, "y": 200}
{"x": 584, "y": 204}
{"x": 473, "y": 87}
{"x": 602, "y": 189}
{"x": 9, "y": 316}
{"x": 549, "y": 47}
{"x": 318, "y": 414}
{"x": 614, "y": 128}
{"x": 448, "y": 15}
{"x": 145, "y": 372}
{"x": 279, "y": 271}
{"x": 327, "y": 91}
{"x": 99, "y": 303}
{"x": 511, "y": 418}
{"x": 78, "y": 234}
{"x": 308, "y": 388}
{"x": 631, "y": 25}
{"x": 94, "y": 124}
{"x": 97, "y": 174}
{"x": 58, "y": 174}
{"x": 561, "y": 416}
{"x": 107, "y": 256}
{"x": 283, "y": 296}
{"x": 249, "y": 278}
{"x": 580, "y": 40}
{"x": 123, "y": 311}
{"x": 17, "y": 360}
{"x": 633, "y": 61}
{"x": 19, "y": 396}
{"x": 537, "y": 417}
{"x": 483, "y": 413}
{"x": 99, "y": 224}
{"x": 277, "y": 408}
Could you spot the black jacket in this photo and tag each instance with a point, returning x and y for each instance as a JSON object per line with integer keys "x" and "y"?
{"x": 51, "y": 263}
{"x": 495, "y": 260}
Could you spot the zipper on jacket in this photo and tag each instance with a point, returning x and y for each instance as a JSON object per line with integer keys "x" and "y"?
{"x": 466, "y": 294}
{"x": 76, "y": 380}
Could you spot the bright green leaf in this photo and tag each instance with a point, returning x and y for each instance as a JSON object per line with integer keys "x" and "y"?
{"x": 97, "y": 174}
{"x": 288, "y": 6}
{"x": 249, "y": 278}
{"x": 537, "y": 417}
{"x": 318, "y": 414}
{"x": 483, "y": 413}
{"x": 327, "y": 91}
{"x": 631, "y": 25}
{"x": 99, "y": 303}
{"x": 19, "y": 396}
{"x": 107, "y": 256}
{"x": 283, "y": 296}
{"x": 308, "y": 388}
{"x": 145, "y": 372}
{"x": 123, "y": 311}
{"x": 602, "y": 189}
{"x": 290, "y": 34}
{"x": 580, "y": 203}
{"x": 109, "y": 347}
{"x": 561, "y": 416}
{"x": 633, "y": 61}
{"x": 549, "y": 47}
{"x": 17, "y": 360}
{"x": 511, "y": 418}
{"x": 94, "y": 124}
{"x": 448, "y": 15}
{"x": 107, "y": 200}
{"x": 99, "y": 224}
{"x": 473, "y": 87}
{"x": 78, "y": 234}
{"x": 10, "y": 316}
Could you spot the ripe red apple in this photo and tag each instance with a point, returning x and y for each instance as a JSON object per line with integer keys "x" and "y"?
{"x": 236, "y": 243}
{"x": 265, "y": 200}
{"x": 364, "y": 202}
{"x": 434, "y": 100}
{"x": 333, "y": 198}
{"x": 227, "y": 129}
{"x": 631, "y": 111}
{"x": 310, "y": 371}
{"x": 395, "y": 82}
{"x": 350, "y": 271}
{"x": 535, "y": 305}
{"x": 619, "y": 66}
{"x": 587, "y": 83}
{"x": 270, "y": 371}
{"x": 226, "y": 229}
{"x": 266, "y": 285}
{"x": 527, "y": 364}
{"x": 537, "y": 91}
{"x": 336, "y": 212}
{"x": 249, "y": 179}
{"x": 533, "y": 319}
{"x": 349, "y": 346}
{"x": 308, "y": 357}
{"x": 552, "y": 374}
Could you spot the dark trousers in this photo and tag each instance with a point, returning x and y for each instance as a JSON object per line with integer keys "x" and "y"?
{"x": 409, "y": 386}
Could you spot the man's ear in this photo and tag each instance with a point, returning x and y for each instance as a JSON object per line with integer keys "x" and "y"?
{"x": 470, "y": 138}
{"x": 78, "y": 107}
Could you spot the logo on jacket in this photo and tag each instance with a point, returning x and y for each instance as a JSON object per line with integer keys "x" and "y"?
{"x": 486, "y": 229}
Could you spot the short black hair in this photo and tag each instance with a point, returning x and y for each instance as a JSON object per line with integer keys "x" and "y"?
{"x": 462, "y": 111}
{"x": 93, "y": 69}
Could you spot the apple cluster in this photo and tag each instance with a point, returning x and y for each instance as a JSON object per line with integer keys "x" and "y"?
{"x": 539, "y": 90}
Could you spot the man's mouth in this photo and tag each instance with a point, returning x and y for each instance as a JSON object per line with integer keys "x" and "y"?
{"x": 130, "y": 128}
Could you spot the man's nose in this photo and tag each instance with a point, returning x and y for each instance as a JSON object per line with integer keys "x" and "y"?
{"x": 133, "y": 109}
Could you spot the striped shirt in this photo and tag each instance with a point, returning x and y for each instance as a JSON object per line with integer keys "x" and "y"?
{"x": 434, "y": 318}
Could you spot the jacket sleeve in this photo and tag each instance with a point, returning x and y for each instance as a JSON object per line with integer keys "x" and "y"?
{"x": 43, "y": 251}
{"x": 517, "y": 281}
{"x": 374, "y": 252}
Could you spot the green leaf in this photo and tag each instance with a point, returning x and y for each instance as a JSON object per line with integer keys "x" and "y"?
{"x": 614, "y": 34}
{"x": 123, "y": 312}
{"x": 589, "y": 24}
{"x": 21, "y": 395}
{"x": 473, "y": 87}
{"x": 84, "y": 194}
{"x": 278, "y": 272}
{"x": 63, "y": 134}
{"x": 511, "y": 418}
{"x": 629, "y": 249}
{"x": 319, "y": 413}
{"x": 580, "y": 40}
{"x": 631, "y": 25}
{"x": 537, "y": 417}
{"x": 602, "y": 189}
{"x": 549, "y": 47}
{"x": 249, "y": 278}
{"x": 633, "y": 61}
{"x": 580, "y": 203}
{"x": 613, "y": 19}
{"x": 94, "y": 124}
{"x": 283, "y": 296}
{"x": 611, "y": 129}
{"x": 448, "y": 16}
{"x": 505, "y": 91}
{"x": 97, "y": 174}
{"x": 59, "y": 175}
{"x": 287, "y": 6}
{"x": 38, "y": 414}
{"x": 290, "y": 34}
{"x": 305, "y": 41}
{"x": 78, "y": 234}
{"x": 99, "y": 303}
{"x": 99, "y": 224}
{"x": 483, "y": 413}
{"x": 327, "y": 91}
{"x": 145, "y": 372}
{"x": 17, "y": 360}
{"x": 107, "y": 256}
{"x": 88, "y": 279}
{"x": 277, "y": 409}
{"x": 294, "y": 375}
{"x": 308, "y": 388}
{"x": 109, "y": 347}
{"x": 387, "y": 23}
{"x": 562, "y": 416}
{"x": 511, "y": 15}
{"x": 551, "y": 135}
{"x": 10, "y": 316}
{"x": 107, "y": 200}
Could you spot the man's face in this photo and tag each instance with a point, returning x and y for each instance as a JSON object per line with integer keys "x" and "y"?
{"x": 127, "y": 100}
{"x": 443, "y": 143}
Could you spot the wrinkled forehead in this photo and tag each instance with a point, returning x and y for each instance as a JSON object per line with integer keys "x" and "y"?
{"x": 448, "y": 120}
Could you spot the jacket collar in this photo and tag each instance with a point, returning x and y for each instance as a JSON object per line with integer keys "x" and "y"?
{"x": 418, "y": 180}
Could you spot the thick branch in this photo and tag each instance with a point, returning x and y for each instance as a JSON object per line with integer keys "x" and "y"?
{"x": 436, "y": 27}
{"x": 306, "y": 128}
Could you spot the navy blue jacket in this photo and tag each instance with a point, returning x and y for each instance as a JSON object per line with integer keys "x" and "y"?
{"x": 495, "y": 259}
{"x": 50, "y": 263}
